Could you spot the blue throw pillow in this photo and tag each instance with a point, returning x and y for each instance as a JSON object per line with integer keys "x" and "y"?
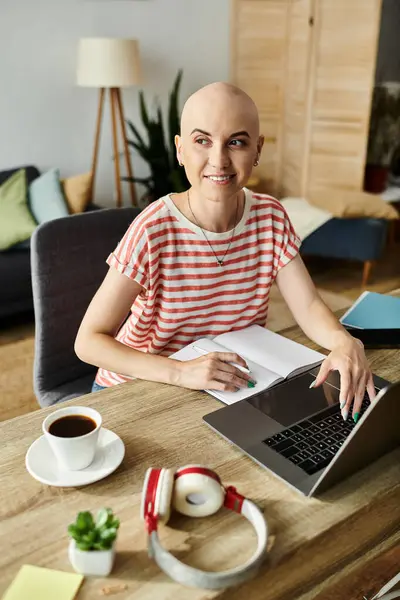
{"x": 46, "y": 198}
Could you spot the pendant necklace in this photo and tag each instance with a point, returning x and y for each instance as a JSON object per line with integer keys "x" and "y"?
{"x": 220, "y": 261}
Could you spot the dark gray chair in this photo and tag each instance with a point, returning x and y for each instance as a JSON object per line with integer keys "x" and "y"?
{"x": 67, "y": 265}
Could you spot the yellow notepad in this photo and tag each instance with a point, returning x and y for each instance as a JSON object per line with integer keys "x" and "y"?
{"x": 37, "y": 583}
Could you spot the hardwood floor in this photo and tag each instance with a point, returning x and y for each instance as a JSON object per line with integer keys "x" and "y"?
{"x": 338, "y": 282}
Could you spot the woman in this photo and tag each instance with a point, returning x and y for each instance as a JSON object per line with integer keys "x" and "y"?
{"x": 202, "y": 262}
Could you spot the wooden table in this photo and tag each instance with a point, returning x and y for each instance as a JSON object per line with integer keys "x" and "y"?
{"x": 318, "y": 542}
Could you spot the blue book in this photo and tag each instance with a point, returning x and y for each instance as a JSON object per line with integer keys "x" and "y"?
{"x": 373, "y": 311}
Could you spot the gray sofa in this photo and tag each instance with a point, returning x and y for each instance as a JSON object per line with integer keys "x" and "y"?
{"x": 15, "y": 265}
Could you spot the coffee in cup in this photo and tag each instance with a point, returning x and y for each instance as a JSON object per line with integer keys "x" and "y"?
{"x": 72, "y": 433}
{"x": 72, "y": 426}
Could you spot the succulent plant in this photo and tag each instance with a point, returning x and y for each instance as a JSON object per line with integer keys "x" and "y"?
{"x": 94, "y": 534}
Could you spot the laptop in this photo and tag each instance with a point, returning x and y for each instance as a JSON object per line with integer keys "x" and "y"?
{"x": 299, "y": 435}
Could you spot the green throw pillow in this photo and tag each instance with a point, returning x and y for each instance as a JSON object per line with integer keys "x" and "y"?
{"x": 16, "y": 221}
{"x": 46, "y": 198}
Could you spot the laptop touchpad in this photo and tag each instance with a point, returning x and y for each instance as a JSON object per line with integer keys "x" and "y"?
{"x": 294, "y": 400}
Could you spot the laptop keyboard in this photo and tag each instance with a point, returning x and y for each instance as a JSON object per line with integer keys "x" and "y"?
{"x": 312, "y": 443}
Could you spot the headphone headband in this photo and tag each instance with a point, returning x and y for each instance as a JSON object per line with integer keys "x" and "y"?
{"x": 233, "y": 500}
{"x": 159, "y": 487}
{"x": 193, "y": 577}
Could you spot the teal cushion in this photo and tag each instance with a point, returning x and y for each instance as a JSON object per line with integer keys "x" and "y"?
{"x": 46, "y": 197}
{"x": 16, "y": 221}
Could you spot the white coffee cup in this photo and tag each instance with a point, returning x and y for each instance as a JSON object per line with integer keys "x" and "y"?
{"x": 73, "y": 453}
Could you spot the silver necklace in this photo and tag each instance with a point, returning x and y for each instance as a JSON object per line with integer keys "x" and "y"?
{"x": 220, "y": 261}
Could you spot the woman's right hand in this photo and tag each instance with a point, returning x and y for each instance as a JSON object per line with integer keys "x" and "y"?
{"x": 214, "y": 372}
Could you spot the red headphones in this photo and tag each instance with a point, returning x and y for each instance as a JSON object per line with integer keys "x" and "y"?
{"x": 196, "y": 491}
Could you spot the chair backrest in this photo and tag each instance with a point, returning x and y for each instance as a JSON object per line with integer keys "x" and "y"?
{"x": 67, "y": 265}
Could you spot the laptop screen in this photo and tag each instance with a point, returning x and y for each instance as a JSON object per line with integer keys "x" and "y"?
{"x": 295, "y": 401}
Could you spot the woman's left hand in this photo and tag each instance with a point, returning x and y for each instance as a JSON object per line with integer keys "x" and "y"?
{"x": 348, "y": 357}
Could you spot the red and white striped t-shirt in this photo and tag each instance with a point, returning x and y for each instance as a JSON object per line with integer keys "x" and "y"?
{"x": 186, "y": 294}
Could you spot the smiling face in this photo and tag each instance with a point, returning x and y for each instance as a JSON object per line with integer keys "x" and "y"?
{"x": 219, "y": 140}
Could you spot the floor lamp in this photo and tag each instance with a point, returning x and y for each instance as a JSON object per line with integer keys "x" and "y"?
{"x": 110, "y": 64}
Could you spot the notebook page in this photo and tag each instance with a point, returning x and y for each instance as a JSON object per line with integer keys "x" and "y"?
{"x": 270, "y": 350}
{"x": 264, "y": 377}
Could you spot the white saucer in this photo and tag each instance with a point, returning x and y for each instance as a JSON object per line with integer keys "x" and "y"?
{"x": 42, "y": 465}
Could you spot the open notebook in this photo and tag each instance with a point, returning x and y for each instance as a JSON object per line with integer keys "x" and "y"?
{"x": 270, "y": 357}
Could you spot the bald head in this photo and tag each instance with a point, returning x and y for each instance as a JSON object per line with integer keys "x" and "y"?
{"x": 220, "y": 104}
{"x": 220, "y": 136}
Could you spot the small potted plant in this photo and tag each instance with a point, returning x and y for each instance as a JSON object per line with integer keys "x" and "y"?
{"x": 91, "y": 549}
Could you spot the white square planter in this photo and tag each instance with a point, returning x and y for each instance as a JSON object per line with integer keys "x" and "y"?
{"x": 93, "y": 562}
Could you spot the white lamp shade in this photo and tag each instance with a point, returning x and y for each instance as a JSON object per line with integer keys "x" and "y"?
{"x": 107, "y": 62}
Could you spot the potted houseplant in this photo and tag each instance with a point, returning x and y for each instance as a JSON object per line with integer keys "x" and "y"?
{"x": 384, "y": 134}
{"x": 157, "y": 148}
{"x": 91, "y": 549}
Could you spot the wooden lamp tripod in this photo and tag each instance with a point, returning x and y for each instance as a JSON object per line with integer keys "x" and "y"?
{"x": 110, "y": 64}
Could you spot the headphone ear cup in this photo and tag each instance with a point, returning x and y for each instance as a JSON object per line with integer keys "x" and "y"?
{"x": 197, "y": 494}
{"x": 157, "y": 494}
{"x": 164, "y": 495}
{"x": 144, "y": 494}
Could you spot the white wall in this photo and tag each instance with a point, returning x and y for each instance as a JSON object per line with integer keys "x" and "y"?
{"x": 46, "y": 120}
